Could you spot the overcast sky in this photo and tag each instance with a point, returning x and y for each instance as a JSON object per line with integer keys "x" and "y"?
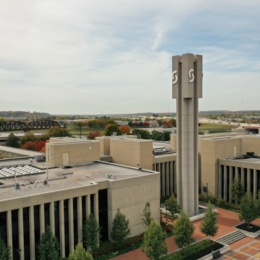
{"x": 114, "y": 56}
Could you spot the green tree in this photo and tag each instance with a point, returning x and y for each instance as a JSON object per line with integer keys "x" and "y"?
{"x": 166, "y": 136}
{"x": 143, "y": 134}
{"x": 209, "y": 224}
{"x": 258, "y": 203}
{"x": 154, "y": 245}
{"x": 110, "y": 129}
{"x": 156, "y": 135}
{"x": 48, "y": 249}
{"x": 56, "y": 131}
{"x": 248, "y": 209}
{"x": 5, "y": 251}
{"x": 12, "y": 141}
{"x": 80, "y": 253}
{"x": 120, "y": 229}
{"x": 28, "y": 137}
{"x": 173, "y": 206}
{"x": 80, "y": 126}
{"x": 237, "y": 190}
{"x": 183, "y": 231}
{"x": 146, "y": 216}
{"x": 91, "y": 233}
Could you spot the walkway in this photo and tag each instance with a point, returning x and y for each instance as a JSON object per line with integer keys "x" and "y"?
{"x": 243, "y": 249}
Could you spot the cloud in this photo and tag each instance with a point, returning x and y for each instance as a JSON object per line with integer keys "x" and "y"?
{"x": 87, "y": 57}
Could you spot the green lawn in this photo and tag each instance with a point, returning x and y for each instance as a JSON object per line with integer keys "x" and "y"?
{"x": 216, "y": 128}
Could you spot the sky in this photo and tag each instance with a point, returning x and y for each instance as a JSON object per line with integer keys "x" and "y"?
{"x": 114, "y": 56}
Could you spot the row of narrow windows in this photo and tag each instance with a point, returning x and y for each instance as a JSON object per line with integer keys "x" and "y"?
{"x": 167, "y": 177}
{"x": 244, "y": 174}
{"x": 36, "y": 219}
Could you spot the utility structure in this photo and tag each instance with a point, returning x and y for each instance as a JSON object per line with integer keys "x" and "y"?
{"x": 187, "y": 89}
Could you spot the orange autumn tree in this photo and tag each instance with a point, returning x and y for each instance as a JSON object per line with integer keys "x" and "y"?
{"x": 35, "y": 146}
{"x": 124, "y": 129}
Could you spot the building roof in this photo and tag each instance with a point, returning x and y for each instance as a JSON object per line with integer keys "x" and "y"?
{"x": 19, "y": 151}
{"x": 60, "y": 178}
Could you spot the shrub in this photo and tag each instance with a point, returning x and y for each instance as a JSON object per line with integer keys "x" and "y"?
{"x": 212, "y": 200}
{"x": 222, "y": 204}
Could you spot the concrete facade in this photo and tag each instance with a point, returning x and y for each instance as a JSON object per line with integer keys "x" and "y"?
{"x": 187, "y": 89}
{"x": 69, "y": 151}
{"x": 224, "y": 157}
{"x": 132, "y": 152}
{"x": 139, "y": 153}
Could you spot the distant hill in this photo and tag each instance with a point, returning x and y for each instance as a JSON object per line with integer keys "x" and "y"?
{"x": 22, "y": 115}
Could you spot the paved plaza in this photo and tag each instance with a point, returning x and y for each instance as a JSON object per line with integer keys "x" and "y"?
{"x": 246, "y": 248}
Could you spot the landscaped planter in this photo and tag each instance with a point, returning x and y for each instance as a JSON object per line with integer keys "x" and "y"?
{"x": 206, "y": 254}
{"x": 222, "y": 251}
{"x": 255, "y": 230}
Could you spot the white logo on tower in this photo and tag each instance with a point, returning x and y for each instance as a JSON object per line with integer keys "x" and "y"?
{"x": 191, "y": 75}
{"x": 174, "y": 77}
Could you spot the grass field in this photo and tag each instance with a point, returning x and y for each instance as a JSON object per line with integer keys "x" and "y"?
{"x": 216, "y": 128}
{"x": 74, "y": 130}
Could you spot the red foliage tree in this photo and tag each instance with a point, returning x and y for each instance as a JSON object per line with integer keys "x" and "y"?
{"x": 39, "y": 145}
{"x": 146, "y": 124}
{"x": 93, "y": 135}
{"x": 29, "y": 146}
{"x": 124, "y": 129}
{"x": 35, "y": 146}
{"x": 167, "y": 123}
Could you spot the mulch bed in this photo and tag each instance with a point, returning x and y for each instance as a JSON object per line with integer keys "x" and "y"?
{"x": 252, "y": 228}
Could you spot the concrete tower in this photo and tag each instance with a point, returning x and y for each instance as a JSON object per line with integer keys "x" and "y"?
{"x": 187, "y": 89}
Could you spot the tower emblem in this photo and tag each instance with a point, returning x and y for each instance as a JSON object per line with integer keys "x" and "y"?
{"x": 174, "y": 77}
{"x": 191, "y": 75}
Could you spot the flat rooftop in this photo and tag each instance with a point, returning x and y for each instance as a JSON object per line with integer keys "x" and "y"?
{"x": 18, "y": 151}
{"x": 243, "y": 160}
{"x": 62, "y": 179}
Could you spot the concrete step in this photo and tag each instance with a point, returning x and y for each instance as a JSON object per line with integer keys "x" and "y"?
{"x": 231, "y": 237}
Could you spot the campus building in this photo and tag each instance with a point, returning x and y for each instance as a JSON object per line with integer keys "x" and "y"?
{"x": 62, "y": 192}
{"x": 82, "y": 177}
{"x": 224, "y": 157}
{"x": 144, "y": 154}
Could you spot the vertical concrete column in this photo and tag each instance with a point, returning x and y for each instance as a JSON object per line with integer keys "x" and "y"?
{"x": 225, "y": 182}
{"x": 62, "y": 232}
{"x": 175, "y": 177}
{"x": 248, "y": 180}
{"x": 21, "y": 233}
{"x": 42, "y": 219}
{"x": 163, "y": 179}
{"x": 88, "y": 205}
{"x": 255, "y": 184}
{"x": 219, "y": 182}
{"x": 171, "y": 176}
{"x": 32, "y": 234}
{"x": 96, "y": 207}
{"x": 9, "y": 230}
{"x": 79, "y": 213}
{"x": 230, "y": 183}
{"x": 168, "y": 174}
{"x": 52, "y": 217}
{"x": 236, "y": 172}
{"x": 159, "y": 170}
{"x": 243, "y": 177}
{"x": 71, "y": 225}
{"x": 187, "y": 89}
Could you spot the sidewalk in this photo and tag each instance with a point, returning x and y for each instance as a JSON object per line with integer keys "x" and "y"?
{"x": 247, "y": 248}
